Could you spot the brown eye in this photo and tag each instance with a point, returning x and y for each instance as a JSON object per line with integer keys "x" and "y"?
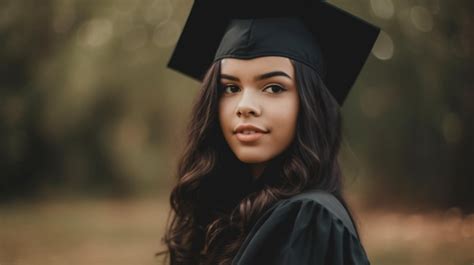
{"x": 275, "y": 89}
{"x": 231, "y": 89}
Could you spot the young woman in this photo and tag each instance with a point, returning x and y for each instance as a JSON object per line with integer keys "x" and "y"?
{"x": 259, "y": 181}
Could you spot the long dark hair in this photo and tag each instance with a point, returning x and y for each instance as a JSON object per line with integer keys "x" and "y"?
{"x": 214, "y": 204}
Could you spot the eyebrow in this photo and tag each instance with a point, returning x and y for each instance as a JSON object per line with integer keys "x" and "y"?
{"x": 260, "y": 77}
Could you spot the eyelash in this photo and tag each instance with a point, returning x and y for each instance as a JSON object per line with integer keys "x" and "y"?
{"x": 224, "y": 88}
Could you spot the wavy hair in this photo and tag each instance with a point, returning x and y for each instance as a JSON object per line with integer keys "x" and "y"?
{"x": 214, "y": 204}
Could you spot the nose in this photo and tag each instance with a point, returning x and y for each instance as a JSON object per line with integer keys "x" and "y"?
{"x": 247, "y": 105}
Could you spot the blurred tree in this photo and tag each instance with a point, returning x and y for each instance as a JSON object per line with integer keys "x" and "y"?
{"x": 30, "y": 159}
{"x": 88, "y": 105}
{"x": 416, "y": 103}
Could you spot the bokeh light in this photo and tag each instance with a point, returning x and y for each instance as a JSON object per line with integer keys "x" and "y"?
{"x": 166, "y": 34}
{"x": 452, "y": 127}
{"x": 384, "y": 47}
{"x": 95, "y": 32}
{"x": 421, "y": 18}
{"x": 383, "y": 8}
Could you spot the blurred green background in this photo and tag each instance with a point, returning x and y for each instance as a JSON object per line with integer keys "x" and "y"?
{"x": 92, "y": 123}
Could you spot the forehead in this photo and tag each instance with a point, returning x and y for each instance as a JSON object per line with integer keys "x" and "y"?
{"x": 256, "y": 66}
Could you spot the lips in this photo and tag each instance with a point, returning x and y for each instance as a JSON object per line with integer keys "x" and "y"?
{"x": 249, "y": 129}
{"x": 247, "y": 133}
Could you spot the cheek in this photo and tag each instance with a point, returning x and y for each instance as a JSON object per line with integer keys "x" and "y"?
{"x": 284, "y": 126}
{"x": 284, "y": 116}
{"x": 283, "y": 121}
{"x": 225, "y": 111}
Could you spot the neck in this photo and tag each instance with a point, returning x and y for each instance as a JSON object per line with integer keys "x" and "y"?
{"x": 257, "y": 169}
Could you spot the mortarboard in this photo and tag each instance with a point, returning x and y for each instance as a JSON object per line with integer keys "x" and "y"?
{"x": 333, "y": 42}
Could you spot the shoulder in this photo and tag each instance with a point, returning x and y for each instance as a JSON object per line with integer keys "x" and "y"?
{"x": 318, "y": 201}
{"x": 312, "y": 227}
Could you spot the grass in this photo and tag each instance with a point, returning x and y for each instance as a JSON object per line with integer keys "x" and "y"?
{"x": 100, "y": 232}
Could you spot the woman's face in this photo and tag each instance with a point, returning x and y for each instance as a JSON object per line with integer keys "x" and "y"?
{"x": 261, "y": 94}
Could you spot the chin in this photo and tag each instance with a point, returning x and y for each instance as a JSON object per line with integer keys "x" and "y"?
{"x": 252, "y": 157}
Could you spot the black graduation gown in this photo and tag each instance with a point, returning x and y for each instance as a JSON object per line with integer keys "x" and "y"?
{"x": 310, "y": 228}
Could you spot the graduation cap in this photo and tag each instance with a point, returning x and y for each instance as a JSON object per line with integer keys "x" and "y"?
{"x": 333, "y": 42}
